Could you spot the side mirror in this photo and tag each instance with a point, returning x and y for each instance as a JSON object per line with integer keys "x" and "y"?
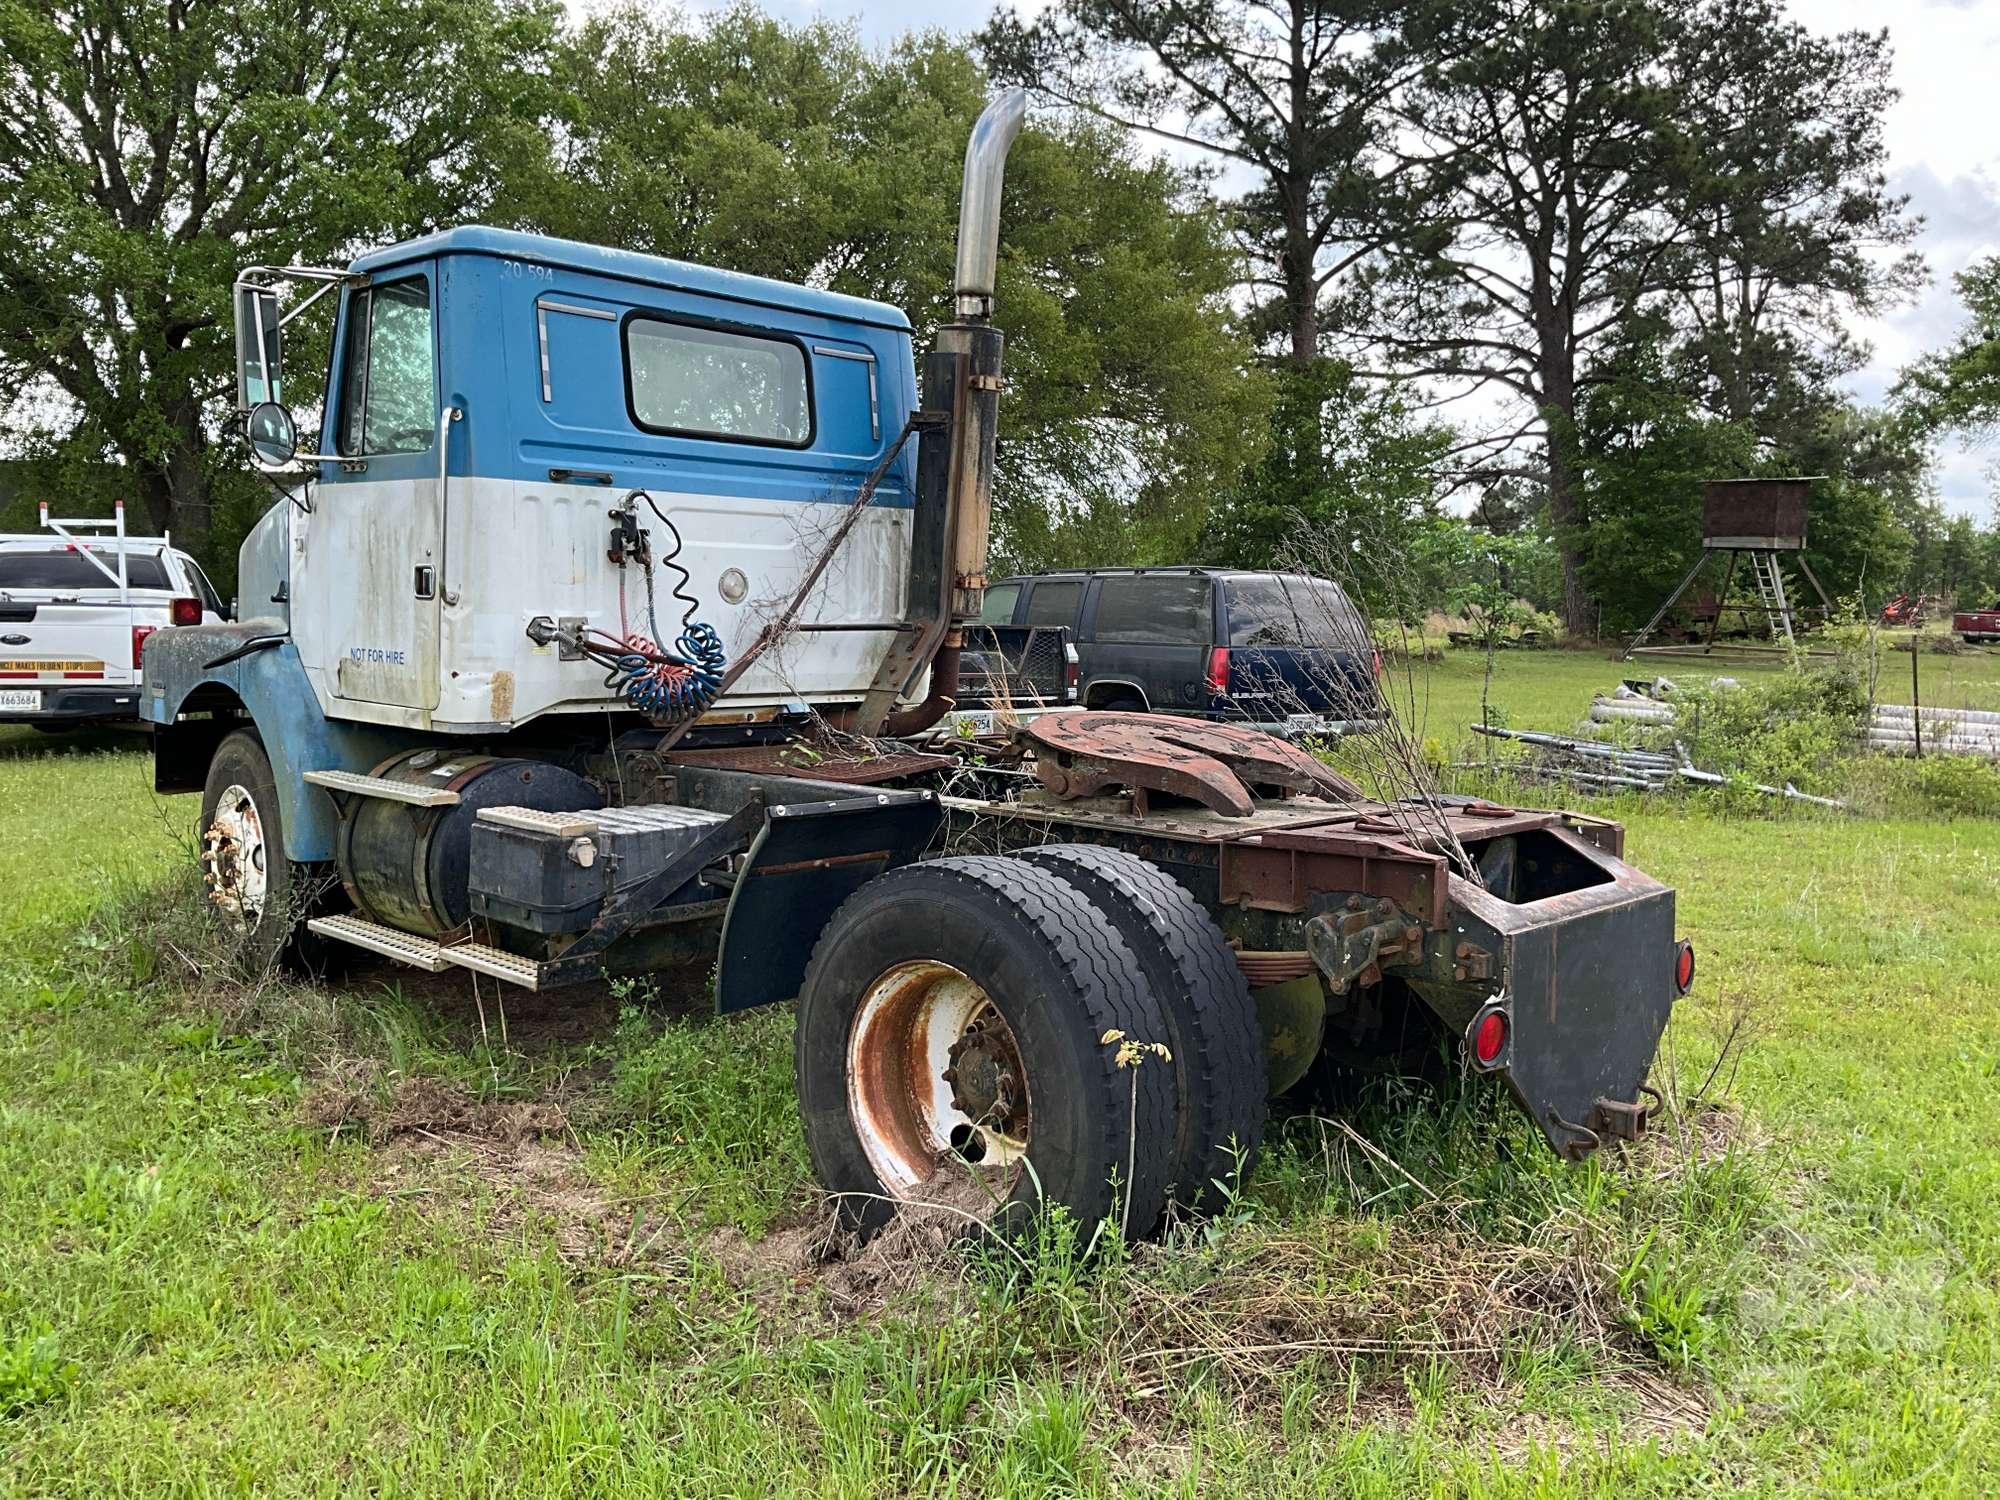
{"x": 272, "y": 435}
{"x": 259, "y": 347}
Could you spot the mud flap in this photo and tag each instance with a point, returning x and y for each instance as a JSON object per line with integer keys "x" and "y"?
{"x": 1585, "y": 980}
{"x": 808, "y": 858}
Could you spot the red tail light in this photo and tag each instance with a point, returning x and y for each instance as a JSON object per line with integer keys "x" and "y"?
{"x": 1072, "y": 672}
{"x": 1684, "y": 967}
{"x": 185, "y": 612}
{"x": 1376, "y": 664}
{"x": 139, "y": 634}
{"x": 1489, "y": 1038}
{"x": 1218, "y": 670}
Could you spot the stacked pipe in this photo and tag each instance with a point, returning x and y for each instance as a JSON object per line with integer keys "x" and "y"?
{"x": 1945, "y": 731}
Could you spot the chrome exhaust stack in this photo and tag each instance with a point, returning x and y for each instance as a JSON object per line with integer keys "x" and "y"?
{"x": 961, "y": 391}
{"x": 979, "y": 204}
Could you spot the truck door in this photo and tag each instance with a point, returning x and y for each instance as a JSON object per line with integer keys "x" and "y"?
{"x": 375, "y": 538}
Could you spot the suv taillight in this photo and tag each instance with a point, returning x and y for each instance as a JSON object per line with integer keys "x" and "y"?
{"x": 1377, "y": 655}
{"x": 185, "y": 612}
{"x": 139, "y": 634}
{"x": 1218, "y": 670}
{"x": 1072, "y": 671}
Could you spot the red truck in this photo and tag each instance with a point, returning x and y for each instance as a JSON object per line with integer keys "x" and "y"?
{"x": 1978, "y": 626}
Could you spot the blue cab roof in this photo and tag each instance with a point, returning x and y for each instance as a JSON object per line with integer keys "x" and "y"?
{"x": 633, "y": 265}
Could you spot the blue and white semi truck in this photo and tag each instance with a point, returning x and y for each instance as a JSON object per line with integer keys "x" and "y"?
{"x": 590, "y": 542}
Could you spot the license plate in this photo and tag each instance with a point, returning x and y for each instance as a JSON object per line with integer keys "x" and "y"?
{"x": 20, "y": 701}
{"x": 1305, "y": 721}
{"x": 972, "y": 723}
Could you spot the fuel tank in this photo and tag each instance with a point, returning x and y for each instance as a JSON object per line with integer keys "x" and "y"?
{"x": 405, "y": 866}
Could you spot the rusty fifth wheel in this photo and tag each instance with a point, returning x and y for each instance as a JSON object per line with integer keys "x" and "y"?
{"x": 975, "y": 1033}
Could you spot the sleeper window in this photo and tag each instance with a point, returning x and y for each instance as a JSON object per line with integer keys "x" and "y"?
{"x": 715, "y": 382}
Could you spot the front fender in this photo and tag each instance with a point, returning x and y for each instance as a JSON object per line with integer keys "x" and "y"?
{"x": 253, "y": 666}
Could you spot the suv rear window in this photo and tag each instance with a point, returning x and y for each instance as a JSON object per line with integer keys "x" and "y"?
{"x": 997, "y": 608}
{"x": 65, "y": 570}
{"x": 1176, "y": 609}
{"x": 1276, "y": 609}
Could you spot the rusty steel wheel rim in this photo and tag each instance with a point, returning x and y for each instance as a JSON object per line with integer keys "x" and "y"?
{"x": 934, "y": 1075}
{"x": 234, "y": 857}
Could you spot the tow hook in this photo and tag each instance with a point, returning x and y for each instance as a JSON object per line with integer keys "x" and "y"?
{"x": 1626, "y": 1122}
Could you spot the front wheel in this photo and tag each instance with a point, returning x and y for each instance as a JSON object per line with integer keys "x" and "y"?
{"x": 974, "y": 1035}
{"x": 262, "y": 897}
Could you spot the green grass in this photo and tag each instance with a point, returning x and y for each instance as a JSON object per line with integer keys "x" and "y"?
{"x": 205, "y": 1289}
{"x": 1550, "y": 690}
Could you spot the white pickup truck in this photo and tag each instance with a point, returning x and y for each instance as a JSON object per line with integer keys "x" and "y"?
{"x": 75, "y": 611}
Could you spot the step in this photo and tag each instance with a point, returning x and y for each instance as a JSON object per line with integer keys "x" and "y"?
{"x": 404, "y": 947}
{"x": 561, "y": 825}
{"x": 526, "y": 972}
{"x": 355, "y": 785}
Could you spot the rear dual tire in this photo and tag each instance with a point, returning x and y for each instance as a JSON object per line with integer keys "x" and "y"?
{"x": 909, "y": 978}
{"x": 1220, "y": 1073}
{"x": 993, "y": 1033}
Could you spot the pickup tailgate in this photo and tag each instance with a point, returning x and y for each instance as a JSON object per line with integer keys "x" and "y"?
{"x": 44, "y": 643}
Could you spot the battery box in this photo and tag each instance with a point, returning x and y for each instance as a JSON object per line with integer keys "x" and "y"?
{"x": 553, "y": 871}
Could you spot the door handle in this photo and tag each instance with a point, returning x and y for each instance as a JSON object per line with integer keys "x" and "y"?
{"x": 426, "y": 581}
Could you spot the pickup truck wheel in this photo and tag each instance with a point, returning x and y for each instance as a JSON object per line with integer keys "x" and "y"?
{"x": 262, "y": 897}
{"x": 956, "y": 1047}
{"x": 1211, "y": 1019}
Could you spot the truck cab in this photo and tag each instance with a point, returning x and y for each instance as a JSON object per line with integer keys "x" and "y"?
{"x": 494, "y": 395}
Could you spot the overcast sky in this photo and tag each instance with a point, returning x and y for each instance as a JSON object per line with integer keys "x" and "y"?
{"x": 1944, "y": 150}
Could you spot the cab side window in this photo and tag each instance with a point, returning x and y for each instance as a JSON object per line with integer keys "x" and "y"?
{"x": 388, "y": 394}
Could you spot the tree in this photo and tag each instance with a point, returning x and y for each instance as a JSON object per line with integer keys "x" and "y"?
{"x": 1348, "y": 463}
{"x": 1958, "y": 388}
{"x": 1645, "y": 447}
{"x": 1787, "y": 214}
{"x": 148, "y": 150}
{"x": 797, "y": 153}
{"x": 1566, "y": 197}
{"x": 1290, "y": 94}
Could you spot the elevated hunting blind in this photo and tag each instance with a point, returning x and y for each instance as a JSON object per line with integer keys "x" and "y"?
{"x": 1764, "y": 520}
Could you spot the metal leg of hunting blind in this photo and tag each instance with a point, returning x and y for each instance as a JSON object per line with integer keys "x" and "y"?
{"x": 1661, "y": 613}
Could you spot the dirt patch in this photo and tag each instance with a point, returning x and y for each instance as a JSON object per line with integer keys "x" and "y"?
{"x": 533, "y": 1182}
{"x": 353, "y": 1097}
{"x": 918, "y": 1254}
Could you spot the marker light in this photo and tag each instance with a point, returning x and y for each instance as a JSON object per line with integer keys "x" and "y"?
{"x": 1683, "y": 967}
{"x": 1489, "y": 1038}
{"x": 185, "y": 611}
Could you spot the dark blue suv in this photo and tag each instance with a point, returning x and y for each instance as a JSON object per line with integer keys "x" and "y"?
{"x": 1279, "y": 651}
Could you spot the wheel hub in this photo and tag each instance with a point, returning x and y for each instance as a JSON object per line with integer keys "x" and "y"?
{"x": 233, "y": 857}
{"x": 985, "y": 1076}
{"x": 934, "y": 1072}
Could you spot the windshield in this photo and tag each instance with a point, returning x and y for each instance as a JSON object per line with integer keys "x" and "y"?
{"x": 1278, "y": 609}
{"x": 64, "y": 570}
